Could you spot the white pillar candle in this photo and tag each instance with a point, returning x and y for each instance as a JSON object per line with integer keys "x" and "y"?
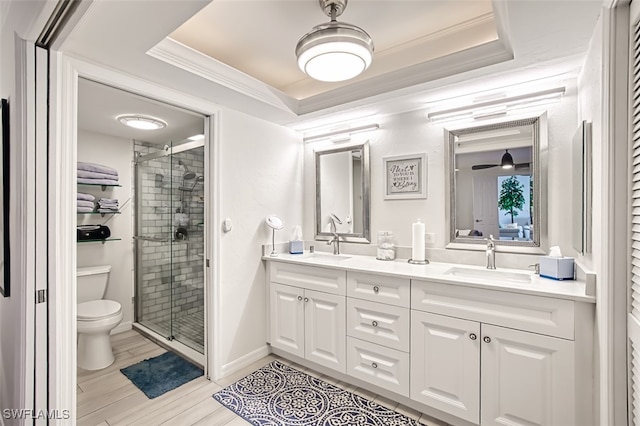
{"x": 417, "y": 250}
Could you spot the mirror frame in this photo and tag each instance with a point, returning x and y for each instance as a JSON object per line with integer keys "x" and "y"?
{"x": 364, "y": 236}
{"x": 538, "y": 124}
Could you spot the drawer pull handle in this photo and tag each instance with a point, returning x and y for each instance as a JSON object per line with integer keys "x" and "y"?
{"x": 374, "y": 323}
{"x": 374, "y": 365}
{"x": 376, "y": 289}
{"x": 306, "y": 299}
{"x": 487, "y": 339}
{"x": 473, "y": 336}
{"x": 299, "y": 297}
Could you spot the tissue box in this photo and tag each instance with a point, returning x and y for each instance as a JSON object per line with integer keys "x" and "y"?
{"x": 296, "y": 247}
{"x": 557, "y": 268}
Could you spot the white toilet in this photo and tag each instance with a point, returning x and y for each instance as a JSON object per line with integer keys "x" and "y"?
{"x": 96, "y": 318}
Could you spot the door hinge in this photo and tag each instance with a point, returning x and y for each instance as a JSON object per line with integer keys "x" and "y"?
{"x": 41, "y": 296}
{"x": 207, "y": 263}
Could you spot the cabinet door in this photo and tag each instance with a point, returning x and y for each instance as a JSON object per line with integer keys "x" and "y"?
{"x": 325, "y": 329}
{"x": 287, "y": 318}
{"x": 445, "y": 364}
{"x": 527, "y": 378}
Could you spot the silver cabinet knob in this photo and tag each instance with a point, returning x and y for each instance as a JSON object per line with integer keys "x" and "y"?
{"x": 306, "y": 299}
{"x": 374, "y": 365}
{"x": 487, "y": 339}
{"x": 376, "y": 289}
{"x": 299, "y": 297}
{"x": 374, "y": 323}
{"x": 473, "y": 336}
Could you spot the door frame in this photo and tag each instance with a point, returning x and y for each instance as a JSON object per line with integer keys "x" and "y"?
{"x": 63, "y": 154}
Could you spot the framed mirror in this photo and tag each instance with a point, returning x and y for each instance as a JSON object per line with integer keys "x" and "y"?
{"x": 494, "y": 183}
{"x": 343, "y": 193}
{"x": 581, "y": 188}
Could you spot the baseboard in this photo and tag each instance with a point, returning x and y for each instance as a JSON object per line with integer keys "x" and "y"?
{"x": 124, "y": 326}
{"x": 244, "y": 361}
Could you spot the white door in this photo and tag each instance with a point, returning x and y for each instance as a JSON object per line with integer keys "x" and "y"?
{"x": 485, "y": 204}
{"x": 527, "y": 378}
{"x": 287, "y": 318}
{"x": 445, "y": 364}
{"x": 325, "y": 329}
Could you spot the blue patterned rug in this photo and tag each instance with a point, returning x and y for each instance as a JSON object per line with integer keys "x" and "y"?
{"x": 278, "y": 395}
{"x": 158, "y": 375}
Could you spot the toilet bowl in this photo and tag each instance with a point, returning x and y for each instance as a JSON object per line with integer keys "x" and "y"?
{"x": 95, "y": 318}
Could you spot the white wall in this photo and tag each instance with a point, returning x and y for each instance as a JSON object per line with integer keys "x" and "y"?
{"x": 117, "y": 153}
{"x": 260, "y": 174}
{"x": 411, "y": 133}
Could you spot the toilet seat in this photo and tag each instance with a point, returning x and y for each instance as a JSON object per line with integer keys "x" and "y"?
{"x": 96, "y": 310}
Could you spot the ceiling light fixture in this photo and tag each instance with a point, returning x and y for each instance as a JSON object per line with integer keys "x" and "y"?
{"x": 142, "y": 122}
{"x": 496, "y": 107}
{"x": 334, "y": 51}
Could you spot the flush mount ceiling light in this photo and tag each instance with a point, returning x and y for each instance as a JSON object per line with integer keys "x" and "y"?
{"x": 142, "y": 122}
{"x": 334, "y": 51}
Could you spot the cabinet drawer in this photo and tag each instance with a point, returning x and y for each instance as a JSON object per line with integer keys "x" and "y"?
{"x": 543, "y": 315}
{"x": 311, "y": 277}
{"x": 378, "y": 365}
{"x": 377, "y": 323}
{"x": 379, "y": 288}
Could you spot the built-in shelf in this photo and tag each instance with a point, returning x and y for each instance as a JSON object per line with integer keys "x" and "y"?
{"x": 100, "y": 213}
{"x": 104, "y": 187}
{"x": 104, "y": 240}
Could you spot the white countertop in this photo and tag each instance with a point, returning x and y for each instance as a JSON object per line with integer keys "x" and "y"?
{"x": 442, "y": 273}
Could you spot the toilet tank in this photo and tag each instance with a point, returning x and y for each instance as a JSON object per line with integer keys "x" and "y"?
{"x": 92, "y": 282}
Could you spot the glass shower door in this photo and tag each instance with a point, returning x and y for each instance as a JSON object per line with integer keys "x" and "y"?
{"x": 170, "y": 242}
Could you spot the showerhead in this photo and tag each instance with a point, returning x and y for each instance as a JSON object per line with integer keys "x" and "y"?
{"x": 188, "y": 175}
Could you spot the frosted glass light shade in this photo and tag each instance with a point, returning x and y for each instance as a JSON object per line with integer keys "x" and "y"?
{"x": 142, "y": 122}
{"x": 335, "y": 51}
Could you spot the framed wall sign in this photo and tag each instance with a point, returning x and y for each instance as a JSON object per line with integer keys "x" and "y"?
{"x": 405, "y": 177}
{"x": 5, "y": 288}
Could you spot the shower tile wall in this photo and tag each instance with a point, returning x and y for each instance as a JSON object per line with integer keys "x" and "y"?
{"x": 171, "y": 274}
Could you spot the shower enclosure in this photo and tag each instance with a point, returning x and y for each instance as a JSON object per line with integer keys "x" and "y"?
{"x": 169, "y": 241}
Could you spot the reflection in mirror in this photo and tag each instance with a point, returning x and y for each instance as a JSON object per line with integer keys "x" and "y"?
{"x": 493, "y": 177}
{"x": 581, "y": 188}
{"x": 342, "y": 193}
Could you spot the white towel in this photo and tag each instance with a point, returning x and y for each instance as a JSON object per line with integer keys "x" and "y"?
{"x": 93, "y": 167}
{"x": 86, "y": 197}
{"x": 96, "y": 175}
{"x": 85, "y": 203}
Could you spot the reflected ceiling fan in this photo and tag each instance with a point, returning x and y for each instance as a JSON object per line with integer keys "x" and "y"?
{"x": 506, "y": 163}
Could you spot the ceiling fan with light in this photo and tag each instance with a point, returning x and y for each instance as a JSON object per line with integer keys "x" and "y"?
{"x": 506, "y": 163}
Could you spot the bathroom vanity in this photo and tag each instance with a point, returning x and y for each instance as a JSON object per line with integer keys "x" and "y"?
{"x": 461, "y": 343}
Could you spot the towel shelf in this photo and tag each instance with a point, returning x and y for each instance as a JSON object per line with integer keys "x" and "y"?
{"x": 100, "y": 241}
{"x": 103, "y": 187}
{"x": 100, "y": 213}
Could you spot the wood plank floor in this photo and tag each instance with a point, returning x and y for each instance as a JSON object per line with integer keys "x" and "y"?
{"x": 107, "y": 398}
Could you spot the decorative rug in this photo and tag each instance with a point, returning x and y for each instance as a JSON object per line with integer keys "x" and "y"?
{"x": 158, "y": 375}
{"x": 278, "y": 395}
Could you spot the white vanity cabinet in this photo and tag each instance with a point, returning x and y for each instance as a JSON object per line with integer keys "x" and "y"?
{"x": 305, "y": 322}
{"x": 467, "y": 360}
{"x": 467, "y": 353}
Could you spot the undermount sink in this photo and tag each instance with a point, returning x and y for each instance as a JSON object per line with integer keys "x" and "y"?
{"x": 326, "y": 256}
{"x": 489, "y": 274}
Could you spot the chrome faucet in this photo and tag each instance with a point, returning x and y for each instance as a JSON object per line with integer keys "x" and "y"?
{"x": 336, "y": 237}
{"x": 491, "y": 253}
